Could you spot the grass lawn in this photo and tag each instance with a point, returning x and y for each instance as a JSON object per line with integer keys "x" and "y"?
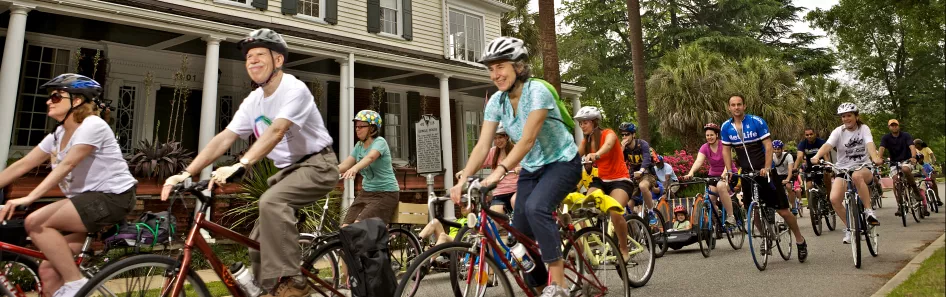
{"x": 928, "y": 280}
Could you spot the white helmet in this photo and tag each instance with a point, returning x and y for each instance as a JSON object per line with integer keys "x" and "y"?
{"x": 505, "y": 49}
{"x": 846, "y": 108}
{"x": 500, "y": 129}
{"x": 587, "y": 113}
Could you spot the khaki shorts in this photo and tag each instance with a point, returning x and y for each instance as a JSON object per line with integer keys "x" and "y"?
{"x": 99, "y": 210}
{"x": 380, "y": 205}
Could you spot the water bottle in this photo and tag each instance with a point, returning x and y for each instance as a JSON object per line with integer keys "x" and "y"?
{"x": 519, "y": 252}
{"x": 244, "y": 277}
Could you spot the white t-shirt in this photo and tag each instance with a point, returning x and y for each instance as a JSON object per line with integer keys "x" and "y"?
{"x": 851, "y": 146}
{"x": 663, "y": 172}
{"x": 292, "y": 101}
{"x": 104, "y": 171}
{"x": 783, "y": 169}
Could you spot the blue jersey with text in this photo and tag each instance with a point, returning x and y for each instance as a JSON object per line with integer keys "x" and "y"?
{"x": 748, "y": 146}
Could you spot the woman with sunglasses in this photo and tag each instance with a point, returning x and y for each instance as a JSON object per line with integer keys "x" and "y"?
{"x": 545, "y": 148}
{"x": 372, "y": 158}
{"x": 88, "y": 167}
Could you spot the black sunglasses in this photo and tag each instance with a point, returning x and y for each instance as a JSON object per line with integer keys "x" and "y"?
{"x": 57, "y": 97}
{"x": 625, "y": 134}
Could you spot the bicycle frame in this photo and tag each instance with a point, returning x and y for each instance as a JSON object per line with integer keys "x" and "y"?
{"x": 195, "y": 239}
{"x": 81, "y": 259}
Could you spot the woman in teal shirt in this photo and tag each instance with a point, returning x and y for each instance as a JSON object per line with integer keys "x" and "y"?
{"x": 372, "y": 158}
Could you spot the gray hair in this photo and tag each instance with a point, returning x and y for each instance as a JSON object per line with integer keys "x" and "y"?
{"x": 526, "y": 72}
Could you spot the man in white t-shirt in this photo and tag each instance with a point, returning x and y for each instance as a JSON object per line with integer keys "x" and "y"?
{"x": 289, "y": 129}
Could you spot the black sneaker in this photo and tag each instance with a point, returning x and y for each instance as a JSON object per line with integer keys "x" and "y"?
{"x": 872, "y": 220}
{"x": 802, "y": 251}
{"x": 898, "y": 213}
{"x": 939, "y": 203}
{"x": 926, "y": 213}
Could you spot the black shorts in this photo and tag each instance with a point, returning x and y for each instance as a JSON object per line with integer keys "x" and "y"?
{"x": 768, "y": 193}
{"x": 814, "y": 176}
{"x": 607, "y": 187}
{"x": 505, "y": 200}
{"x": 99, "y": 210}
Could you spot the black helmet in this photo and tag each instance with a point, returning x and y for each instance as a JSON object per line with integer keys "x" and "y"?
{"x": 75, "y": 84}
{"x": 264, "y": 38}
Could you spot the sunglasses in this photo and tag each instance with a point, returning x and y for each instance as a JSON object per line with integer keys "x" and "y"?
{"x": 625, "y": 134}
{"x": 362, "y": 126}
{"x": 57, "y": 97}
{"x": 807, "y": 135}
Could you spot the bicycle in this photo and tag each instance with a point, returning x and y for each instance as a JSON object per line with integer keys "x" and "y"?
{"x": 929, "y": 196}
{"x": 487, "y": 259}
{"x": 857, "y": 218}
{"x": 657, "y": 223}
{"x": 819, "y": 208}
{"x": 908, "y": 201}
{"x": 876, "y": 191}
{"x": 712, "y": 222}
{"x": 771, "y": 228}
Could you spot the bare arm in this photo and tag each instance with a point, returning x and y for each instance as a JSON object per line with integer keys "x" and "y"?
{"x": 367, "y": 160}
{"x": 270, "y": 138}
{"x": 799, "y": 159}
{"x": 608, "y": 144}
{"x": 874, "y": 155}
{"x": 35, "y": 158}
{"x": 478, "y": 155}
{"x": 529, "y": 134}
{"x": 727, "y": 158}
{"x": 346, "y": 164}
{"x": 76, "y": 154}
{"x": 214, "y": 149}
{"x": 700, "y": 157}
{"x": 824, "y": 151}
{"x": 913, "y": 152}
{"x": 768, "y": 153}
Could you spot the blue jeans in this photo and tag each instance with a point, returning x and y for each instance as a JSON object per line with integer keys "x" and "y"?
{"x": 539, "y": 194}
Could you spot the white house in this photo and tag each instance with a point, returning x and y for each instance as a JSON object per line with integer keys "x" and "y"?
{"x": 421, "y": 52}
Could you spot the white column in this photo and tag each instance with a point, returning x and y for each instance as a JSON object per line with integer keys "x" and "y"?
{"x": 208, "y": 104}
{"x": 576, "y": 105}
{"x": 345, "y": 107}
{"x": 10, "y": 76}
{"x": 445, "y": 136}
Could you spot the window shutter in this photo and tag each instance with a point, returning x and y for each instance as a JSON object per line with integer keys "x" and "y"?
{"x": 290, "y": 7}
{"x": 413, "y": 115}
{"x": 374, "y": 16}
{"x": 331, "y": 12}
{"x": 260, "y": 4}
{"x": 406, "y": 7}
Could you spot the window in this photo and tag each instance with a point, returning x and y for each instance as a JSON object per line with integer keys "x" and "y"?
{"x": 393, "y": 124}
{"x": 42, "y": 64}
{"x": 472, "y": 124}
{"x": 241, "y": 3}
{"x": 389, "y": 12}
{"x": 312, "y": 8}
{"x": 466, "y": 36}
{"x": 125, "y": 115}
{"x": 225, "y": 113}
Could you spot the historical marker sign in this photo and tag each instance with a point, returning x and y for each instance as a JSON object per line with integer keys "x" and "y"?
{"x": 429, "y": 159}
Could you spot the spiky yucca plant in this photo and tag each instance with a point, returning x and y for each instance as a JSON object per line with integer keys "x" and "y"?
{"x": 158, "y": 160}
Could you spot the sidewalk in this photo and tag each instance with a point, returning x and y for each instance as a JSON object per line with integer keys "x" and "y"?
{"x": 911, "y": 267}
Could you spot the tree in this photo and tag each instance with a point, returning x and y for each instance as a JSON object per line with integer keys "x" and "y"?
{"x": 771, "y": 92}
{"x": 520, "y": 23}
{"x": 822, "y": 98}
{"x": 549, "y": 46}
{"x": 637, "y": 56}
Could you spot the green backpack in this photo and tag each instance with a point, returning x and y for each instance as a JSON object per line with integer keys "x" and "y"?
{"x": 563, "y": 111}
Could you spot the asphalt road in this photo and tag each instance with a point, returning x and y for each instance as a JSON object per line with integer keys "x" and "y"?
{"x": 828, "y": 271}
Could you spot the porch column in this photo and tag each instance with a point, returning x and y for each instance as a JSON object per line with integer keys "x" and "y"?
{"x": 208, "y": 104}
{"x": 10, "y": 76}
{"x": 344, "y": 123}
{"x": 446, "y": 143}
{"x": 576, "y": 105}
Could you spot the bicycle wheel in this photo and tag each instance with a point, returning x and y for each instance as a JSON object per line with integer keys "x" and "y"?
{"x": 784, "y": 240}
{"x": 658, "y": 231}
{"x": 831, "y": 217}
{"x": 736, "y": 234}
{"x": 458, "y": 259}
{"x": 706, "y": 235}
{"x": 597, "y": 258}
{"x": 404, "y": 247}
{"x": 142, "y": 275}
{"x": 758, "y": 236}
{"x": 854, "y": 222}
{"x": 871, "y": 237}
{"x": 914, "y": 206}
{"x": 815, "y": 214}
{"x": 880, "y": 195}
{"x": 931, "y": 200}
{"x": 640, "y": 267}
{"x": 325, "y": 262}
{"x": 21, "y": 273}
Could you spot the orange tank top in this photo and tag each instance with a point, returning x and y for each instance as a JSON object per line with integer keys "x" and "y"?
{"x": 611, "y": 165}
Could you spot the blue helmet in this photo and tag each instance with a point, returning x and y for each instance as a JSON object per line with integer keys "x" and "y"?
{"x": 778, "y": 144}
{"x": 75, "y": 84}
{"x": 628, "y": 127}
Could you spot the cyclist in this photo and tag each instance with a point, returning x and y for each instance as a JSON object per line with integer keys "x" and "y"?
{"x": 88, "y": 167}
{"x": 900, "y": 145}
{"x": 599, "y": 146}
{"x": 712, "y": 151}
{"x": 637, "y": 155}
{"x": 371, "y": 157}
{"x": 807, "y": 148}
{"x": 545, "y": 148}
{"x": 855, "y": 147}
{"x": 289, "y": 130}
{"x": 749, "y": 136}
{"x": 784, "y": 165}
{"x": 925, "y": 151}
{"x": 665, "y": 176}
{"x": 504, "y": 196}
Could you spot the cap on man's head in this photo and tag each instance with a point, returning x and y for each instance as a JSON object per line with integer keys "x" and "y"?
{"x": 893, "y": 121}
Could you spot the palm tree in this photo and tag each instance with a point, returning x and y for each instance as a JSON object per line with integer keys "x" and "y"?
{"x": 822, "y": 97}
{"x": 771, "y": 92}
{"x": 637, "y": 56}
{"x": 688, "y": 90}
{"x": 549, "y": 46}
{"x": 520, "y": 23}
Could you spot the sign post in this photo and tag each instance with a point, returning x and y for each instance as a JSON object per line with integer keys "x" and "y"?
{"x": 430, "y": 157}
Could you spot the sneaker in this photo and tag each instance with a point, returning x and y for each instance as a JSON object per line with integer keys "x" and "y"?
{"x": 847, "y": 236}
{"x": 898, "y": 213}
{"x": 939, "y": 203}
{"x": 802, "y": 251}
{"x": 871, "y": 218}
{"x": 71, "y": 288}
{"x": 653, "y": 217}
{"x": 554, "y": 290}
{"x": 926, "y": 213}
{"x": 292, "y": 287}
{"x": 794, "y": 211}
{"x": 731, "y": 220}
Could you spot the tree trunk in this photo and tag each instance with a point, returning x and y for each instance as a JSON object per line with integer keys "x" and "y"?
{"x": 637, "y": 55}
{"x": 549, "y": 45}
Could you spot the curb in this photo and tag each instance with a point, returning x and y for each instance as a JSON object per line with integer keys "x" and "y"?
{"x": 911, "y": 267}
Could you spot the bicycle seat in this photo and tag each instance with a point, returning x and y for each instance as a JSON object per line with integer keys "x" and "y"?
{"x": 596, "y": 199}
